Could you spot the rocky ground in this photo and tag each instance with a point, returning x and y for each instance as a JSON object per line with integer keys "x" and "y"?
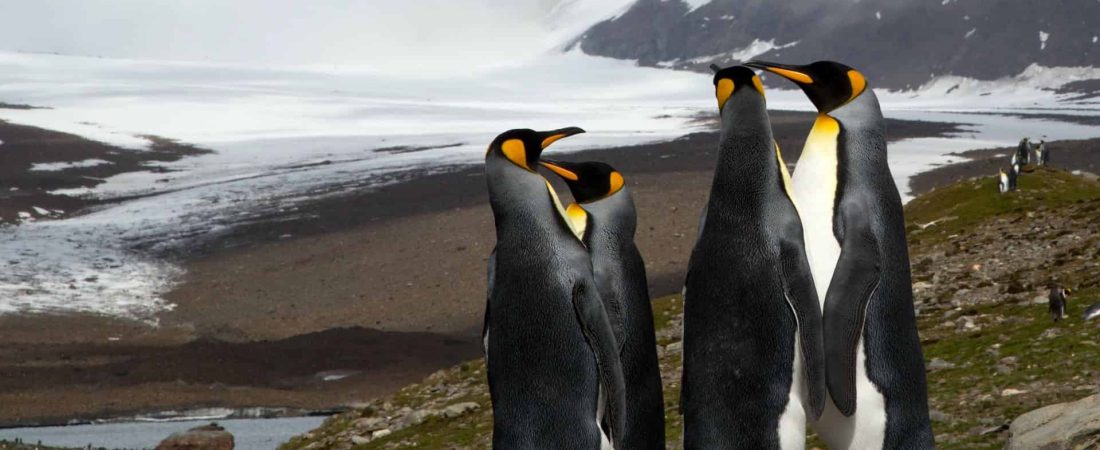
{"x": 20, "y": 445}
{"x": 982, "y": 262}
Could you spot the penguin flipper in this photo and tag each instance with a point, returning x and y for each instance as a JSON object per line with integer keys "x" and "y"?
{"x": 854, "y": 282}
{"x": 800, "y": 291}
{"x": 492, "y": 276}
{"x": 601, "y": 340}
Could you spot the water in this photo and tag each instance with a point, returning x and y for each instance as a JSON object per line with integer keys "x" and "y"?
{"x": 249, "y": 434}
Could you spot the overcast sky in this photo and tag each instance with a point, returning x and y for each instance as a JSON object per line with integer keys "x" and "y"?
{"x": 387, "y": 34}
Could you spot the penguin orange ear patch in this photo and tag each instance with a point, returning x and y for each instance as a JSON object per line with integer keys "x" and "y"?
{"x": 858, "y": 83}
{"x": 723, "y": 90}
{"x": 616, "y": 182}
{"x": 516, "y": 152}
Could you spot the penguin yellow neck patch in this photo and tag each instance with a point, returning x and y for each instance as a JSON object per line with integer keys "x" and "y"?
{"x": 561, "y": 211}
{"x": 786, "y": 176}
{"x": 723, "y": 90}
{"x": 756, "y": 83}
{"x": 578, "y": 219}
{"x": 516, "y": 152}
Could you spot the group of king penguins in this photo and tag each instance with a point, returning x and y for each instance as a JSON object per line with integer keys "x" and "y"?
{"x": 797, "y": 303}
{"x": 1009, "y": 181}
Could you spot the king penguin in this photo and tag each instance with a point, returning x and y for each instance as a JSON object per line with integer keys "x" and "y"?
{"x": 555, "y": 378}
{"x": 1002, "y": 181}
{"x": 753, "y": 361}
{"x": 604, "y": 216}
{"x": 1057, "y": 302}
{"x": 855, "y": 239}
{"x": 1023, "y": 151}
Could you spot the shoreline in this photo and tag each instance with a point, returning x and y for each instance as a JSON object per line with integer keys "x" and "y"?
{"x": 359, "y": 260}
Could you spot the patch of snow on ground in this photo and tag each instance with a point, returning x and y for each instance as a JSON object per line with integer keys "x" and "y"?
{"x": 59, "y": 166}
{"x": 695, "y": 4}
{"x": 970, "y": 33}
{"x": 1043, "y": 36}
{"x": 757, "y": 48}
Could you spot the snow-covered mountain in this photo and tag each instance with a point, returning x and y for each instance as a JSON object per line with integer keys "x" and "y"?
{"x": 898, "y": 43}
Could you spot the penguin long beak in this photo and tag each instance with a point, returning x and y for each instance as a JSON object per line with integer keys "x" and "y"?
{"x": 549, "y": 137}
{"x": 797, "y": 74}
{"x": 558, "y": 168}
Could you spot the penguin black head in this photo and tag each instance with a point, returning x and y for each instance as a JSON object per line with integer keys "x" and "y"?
{"x": 828, "y": 84}
{"x": 732, "y": 79}
{"x": 523, "y": 146}
{"x": 588, "y": 181}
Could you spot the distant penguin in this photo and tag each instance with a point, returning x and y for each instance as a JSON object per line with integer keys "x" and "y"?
{"x": 855, "y": 239}
{"x": 605, "y": 216}
{"x": 555, "y": 378}
{"x": 1023, "y": 152}
{"x": 1057, "y": 302}
{"x": 1002, "y": 181}
{"x": 1092, "y": 312}
{"x": 1013, "y": 177}
{"x": 1042, "y": 154}
{"x": 753, "y": 367}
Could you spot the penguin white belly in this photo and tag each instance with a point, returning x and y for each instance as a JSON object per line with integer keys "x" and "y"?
{"x": 605, "y": 441}
{"x": 866, "y": 428}
{"x": 792, "y": 423}
{"x": 814, "y": 184}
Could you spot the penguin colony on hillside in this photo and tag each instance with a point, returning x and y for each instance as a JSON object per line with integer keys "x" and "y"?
{"x": 1008, "y": 181}
{"x": 798, "y": 303}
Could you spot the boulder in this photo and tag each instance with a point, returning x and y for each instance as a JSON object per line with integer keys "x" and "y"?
{"x": 207, "y": 437}
{"x": 1064, "y": 426}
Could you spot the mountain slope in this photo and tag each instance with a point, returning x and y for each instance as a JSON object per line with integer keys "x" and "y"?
{"x": 898, "y": 43}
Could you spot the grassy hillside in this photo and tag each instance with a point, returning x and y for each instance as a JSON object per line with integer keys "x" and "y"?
{"x": 982, "y": 262}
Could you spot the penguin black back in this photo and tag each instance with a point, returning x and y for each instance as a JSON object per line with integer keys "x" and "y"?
{"x": 749, "y": 305}
{"x": 605, "y": 204}
{"x": 552, "y": 360}
{"x": 871, "y": 341}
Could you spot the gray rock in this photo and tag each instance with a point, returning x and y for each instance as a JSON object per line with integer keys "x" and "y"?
{"x": 459, "y": 409}
{"x": 675, "y": 347}
{"x": 381, "y": 433}
{"x": 359, "y": 440}
{"x": 367, "y": 423}
{"x": 415, "y": 418}
{"x": 1064, "y": 426}
{"x": 939, "y": 364}
{"x": 939, "y": 416}
{"x": 207, "y": 437}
